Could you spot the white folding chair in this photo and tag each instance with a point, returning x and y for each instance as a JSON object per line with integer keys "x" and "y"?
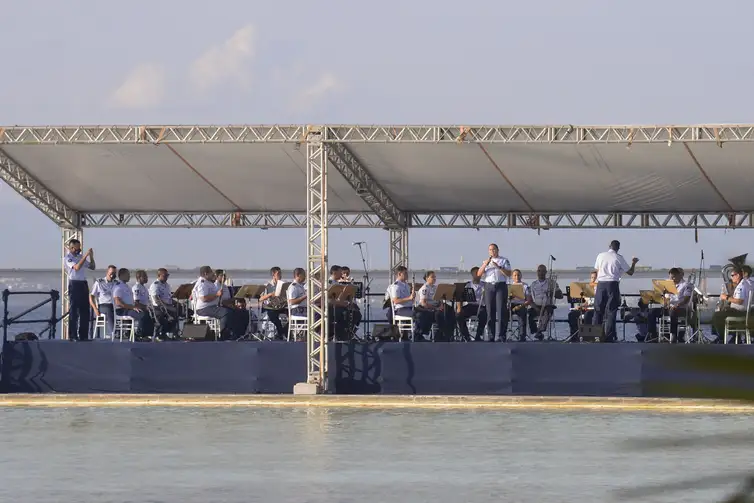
{"x": 124, "y": 325}
{"x": 405, "y": 324}
{"x": 297, "y": 325}
{"x": 101, "y": 322}
{"x": 212, "y": 323}
{"x": 739, "y": 324}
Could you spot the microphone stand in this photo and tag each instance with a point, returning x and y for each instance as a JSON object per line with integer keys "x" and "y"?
{"x": 367, "y": 303}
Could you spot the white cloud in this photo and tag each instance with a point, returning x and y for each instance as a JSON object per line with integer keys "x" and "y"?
{"x": 144, "y": 87}
{"x": 306, "y": 99}
{"x": 225, "y": 62}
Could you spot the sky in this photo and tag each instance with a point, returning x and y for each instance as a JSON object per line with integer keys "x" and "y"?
{"x": 387, "y": 62}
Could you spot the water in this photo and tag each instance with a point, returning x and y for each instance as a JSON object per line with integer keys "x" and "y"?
{"x": 294, "y": 455}
{"x": 46, "y": 280}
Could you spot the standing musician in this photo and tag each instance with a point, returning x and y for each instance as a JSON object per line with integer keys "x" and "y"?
{"x": 165, "y": 310}
{"x": 543, "y": 292}
{"x": 520, "y": 308}
{"x": 402, "y": 297}
{"x": 675, "y": 305}
{"x": 76, "y": 264}
{"x": 494, "y": 273}
{"x": 586, "y": 308}
{"x": 610, "y": 267}
{"x": 101, "y": 299}
{"x": 126, "y": 306}
{"x": 737, "y": 302}
{"x": 466, "y": 310}
{"x": 430, "y": 311}
{"x": 273, "y": 305}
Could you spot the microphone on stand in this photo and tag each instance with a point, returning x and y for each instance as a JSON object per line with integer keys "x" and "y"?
{"x": 357, "y": 243}
{"x": 553, "y": 258}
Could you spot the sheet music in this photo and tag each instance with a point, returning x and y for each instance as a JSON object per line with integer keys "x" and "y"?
{"x": 279, "y": 288}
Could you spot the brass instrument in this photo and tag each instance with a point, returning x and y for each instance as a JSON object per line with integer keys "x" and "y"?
{"x": 547, "y": 307}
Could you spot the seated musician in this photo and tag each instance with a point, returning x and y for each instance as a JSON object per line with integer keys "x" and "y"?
{"x": 345, "y": 274}
{"x": 746, "y": 270}
{"x": 735, "y": 305}
{"x": 676, "y": 305}
{"x": 273, "y": 305}
{"x": 207, "y": 297}
{"x": 585, "y": 308}
{"x": 466, "y": 310}
{"x": 296, "y": 293}
{"x": 353, "y": 313}
{"x": 401, "y": 295}
{"x": 430, "y": 311}
{"x": 165, "y": 310}
{"x": 125, "y": 305}
{"x": 338, "y": 309}
{"x": 520, "y": 308}
{"x": 101, "y": 299}
{"x": 240, "y": 315}
{"x": 542, "y": 302}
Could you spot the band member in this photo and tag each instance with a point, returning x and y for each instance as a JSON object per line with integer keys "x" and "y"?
{"x": 101, "y": 299}
{"x": 126, "y": 306}
{"x": 586, "y": 308}
{"x": 345, "y": 275}
{"x": 430, "y": 311}
{"x": 272, "y": 305}
{"x": 139, "y": 291}
{"x": 676, "y": 305}
{"x": 737, "y": 302}
{"x": 494, "y": 273}
{"x": 402, "y": 297}
{"x": 542, "y": 306}
{"x": 338, "y": 309}
{"x": 520, "y": 308}
{"x": 297, "y": 294}
{"x": 350, "y": 314}
{"x": 76, "y": 264}
{"x": 610, "y": 266}
{"x": 165, "y": 310}
{"x": 239, "y": 315}
{"x": 466, "y": 310}
{"x": 207, "y": 298}
{"x": 746, "y": 271}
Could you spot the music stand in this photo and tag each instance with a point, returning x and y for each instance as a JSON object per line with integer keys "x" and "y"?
{"x": 444, "y": 292}
{"x": 582, "y": 291}
{"x": 664, "y": 286}
{"x": 183, "y": 292}
{"x": 281, "y": 288}
{"x": 459, "y": 292}
{"x": 651, "y": 297}
{"x": 250, "y": 292}
{"x": 342, "y": 293}
{"x": 516, "y": 292}
{"x": 359, "y": 286}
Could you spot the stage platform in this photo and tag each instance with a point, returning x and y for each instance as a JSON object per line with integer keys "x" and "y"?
{"x": 520, "y": 369}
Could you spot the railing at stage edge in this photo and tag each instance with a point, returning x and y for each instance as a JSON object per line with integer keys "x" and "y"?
{"x": 52, "y": 321}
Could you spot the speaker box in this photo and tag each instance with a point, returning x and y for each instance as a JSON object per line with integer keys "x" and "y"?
{"x": 592, "y": 333}
{"x": 197, "y": 332}
{"x": 382, "y": 331}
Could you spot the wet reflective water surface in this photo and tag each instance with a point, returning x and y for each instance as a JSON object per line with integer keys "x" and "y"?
{"x": 316, "y": 455}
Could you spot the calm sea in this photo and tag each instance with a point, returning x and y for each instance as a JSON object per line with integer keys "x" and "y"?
{"x": 44, "y": 281}
{"x": 331, "y": 456}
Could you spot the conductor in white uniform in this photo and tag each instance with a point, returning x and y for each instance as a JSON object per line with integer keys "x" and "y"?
{"x": 494, "y": 273}
{"x": 610, "y": 266}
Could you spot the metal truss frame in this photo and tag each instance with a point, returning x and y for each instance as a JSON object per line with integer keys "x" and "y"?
{"x": 564, "y": 133}
{"x": 36, "y": 193}
{"x": 398, "y": 250}
{"x": 352, "y": 169}
{"x": 546, "y": 221}
{"x": 247, "y": 220}
{"x": 316, "y": 260}
{"x": 65, "y": 305}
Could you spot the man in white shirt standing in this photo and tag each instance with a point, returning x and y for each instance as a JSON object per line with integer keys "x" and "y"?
{"x": 76, "y": 264}
{"x": 494, "y": 273}
{"x": 610, "y": 266}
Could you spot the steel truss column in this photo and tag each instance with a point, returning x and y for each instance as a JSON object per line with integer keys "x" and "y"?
{"x": 316, "y": 263}
{"x": 65, "y": 305}
{"x": 398, "y": 250}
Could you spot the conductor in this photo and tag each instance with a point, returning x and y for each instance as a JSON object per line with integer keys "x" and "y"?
{"x": 76, "y": 264}
{"x": 610, "y": 266}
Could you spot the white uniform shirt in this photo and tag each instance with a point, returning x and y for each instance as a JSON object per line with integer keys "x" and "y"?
{"x": 103, "y": 291}
{"x": 269, "y": 287}
{"x": 204, "y": 288}
{"x": 399, "y": 290}
{"x": 140, "y": 293}
{"x": 742, "y": 292}
{"x": 295, "y": 290}
{"x": 70, "y": 261}
{"x": 527, "y": 292}
{"x": 160, "y": 290}
{"x": 492, "y": 274}
{"x": 685, "y": 289}
{"x": 540, "y": 291}
{"x": 226, "y": 291}
{"x": 123, "y": 292}
{"x": 427, "y": 292}
{"x": 610, "y": 266}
